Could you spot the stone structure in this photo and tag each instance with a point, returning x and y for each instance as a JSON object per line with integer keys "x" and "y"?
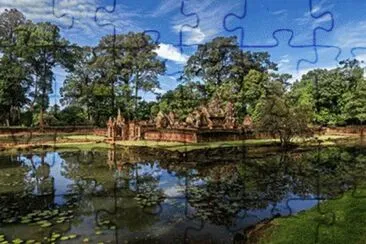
{"x": 134, "y": 131}
{"x": 247, "y": 123}
{"x": 205, "y": 123}
{"x": 214, "y": 122}
{"x": 116, "y": 127}
{"x": 119, "y": 129}
{"x": 229, "y": 122}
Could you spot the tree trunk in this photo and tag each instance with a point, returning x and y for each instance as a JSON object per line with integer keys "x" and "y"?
{"x": 41, "y": 123}
{"x": 136, "y": 93}
{"x": 113, "y": 96}
{"x": 136, "y": 100}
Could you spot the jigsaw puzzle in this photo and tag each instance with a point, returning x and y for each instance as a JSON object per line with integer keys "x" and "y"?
{"x": 210, "y": 143}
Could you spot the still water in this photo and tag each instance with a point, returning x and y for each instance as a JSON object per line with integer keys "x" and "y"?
{"x": 125, "y": 196}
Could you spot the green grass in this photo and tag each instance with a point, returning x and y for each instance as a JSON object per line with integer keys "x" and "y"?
{"x": 86, "y": 142}
{"x": 181, "y": 147}
{"x": 348, "y": 227}
{"x": 85, "y": 146}
{"x": 46, "y": 138}
{"x": 84, "y": 137}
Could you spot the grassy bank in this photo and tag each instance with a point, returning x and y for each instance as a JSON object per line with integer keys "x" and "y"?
{"x": 185, "y": 147}
{"x": 87, "y": 142}
{"x": 348, "y": 226}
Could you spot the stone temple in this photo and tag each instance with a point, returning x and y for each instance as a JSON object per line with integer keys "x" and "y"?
{"x": 214, "y": 122}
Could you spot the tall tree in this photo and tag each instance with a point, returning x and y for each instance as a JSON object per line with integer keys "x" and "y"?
{"x": 10, "y": 20}
{"x": 128, "y": 62}
{"x": 43, "y": 48}
{"x": 14, "y": 84}
{"x": 276, "y": 115}
{"x": 354, "y": 106}
{"x": 15, "y": 78}
{"x": 77, "y": 89}
{"x": 221, "y": 60}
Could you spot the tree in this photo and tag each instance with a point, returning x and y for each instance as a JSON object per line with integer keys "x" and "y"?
{"x": 72, "y": 115}
{"x": 252, "y": 90}
{"x": 15, "y": 78}
{"x": 323, "y": 91}
{"x": 182, "y": 100}
{"x": 144, "y": 110}
{"x": 355, "y": 103}
{"x": 10, "y": 20}
{"x": 78, "y": 87}
{"x": 277, "y": 116}
{"x": 128, "y": 62}
{"x": 354, "y": 106}
{"x": 43, "y": 48}
{"x": 14, "y": 84}
{"x": 331, "y": 94}
{"x": 220, "y": 61}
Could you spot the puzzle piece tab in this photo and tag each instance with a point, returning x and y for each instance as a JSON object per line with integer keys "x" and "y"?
{"x": 308, "y": 20}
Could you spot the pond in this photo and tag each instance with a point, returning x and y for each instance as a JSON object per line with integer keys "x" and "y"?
{"x": 128, "y": 196}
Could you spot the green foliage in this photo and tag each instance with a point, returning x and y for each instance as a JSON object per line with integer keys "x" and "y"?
{"x": 110, "y": 76}
{"x": 15, "y": 79}
{"x": 335, "y": 96}
{"x": 182, "y": 100}
{"x": 220, "y": 61}
{"x": 127, "y": 61}
{"x": 355, "y": 102}
{"x": 72, "y": 115}
{"x": 277, "y": 116}
{"x": 144, "y": 110}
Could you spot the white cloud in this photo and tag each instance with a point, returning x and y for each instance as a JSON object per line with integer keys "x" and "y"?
{"x": 208, "y": 16}
{"x": 83, "y": 13}
{"x": 307, "y": 19}
{"x": 283, "y": 61}
{"x": 279, "y": 12}
{"x": 191, "y": 35}
{"x": 159, "y": 90}
{"x": 168, "y": 51}
{"x": 165, "y": 7}
{"x": 351, "y": 35}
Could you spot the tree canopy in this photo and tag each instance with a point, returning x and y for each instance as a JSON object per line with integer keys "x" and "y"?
{"x": 109, "y": 76}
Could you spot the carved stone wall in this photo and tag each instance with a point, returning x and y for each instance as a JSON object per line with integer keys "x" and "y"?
{"x": 171, "y": 135}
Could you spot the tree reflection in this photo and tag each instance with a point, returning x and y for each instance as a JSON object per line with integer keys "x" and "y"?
{"x": 124, "y": 189}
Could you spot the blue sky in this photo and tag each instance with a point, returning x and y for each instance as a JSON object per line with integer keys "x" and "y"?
{"x": 299, "y": 34}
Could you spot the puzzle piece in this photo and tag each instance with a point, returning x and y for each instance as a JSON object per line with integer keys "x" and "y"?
{"x": 358, "y": 53}
{"x": 279, "y": 19}
{"x": 326, "y": 57}
{"x": 293, "y": 55}
{"x": 187, "y": 27}
{"x": 108, "y": 10}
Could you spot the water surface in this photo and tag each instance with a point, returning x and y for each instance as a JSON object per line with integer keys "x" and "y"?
{"x": 119, "y": 196}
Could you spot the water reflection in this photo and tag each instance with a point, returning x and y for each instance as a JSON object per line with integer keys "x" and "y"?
{"x": 132, "y": 195}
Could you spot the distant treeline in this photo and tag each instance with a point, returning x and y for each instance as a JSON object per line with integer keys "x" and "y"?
{"x": 109, "y": 76}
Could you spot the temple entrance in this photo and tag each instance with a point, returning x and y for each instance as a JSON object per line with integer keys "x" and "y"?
{"x": 119, "y": 129}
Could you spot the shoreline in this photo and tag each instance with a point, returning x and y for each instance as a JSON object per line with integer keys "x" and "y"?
{"x": 87, "y": 142}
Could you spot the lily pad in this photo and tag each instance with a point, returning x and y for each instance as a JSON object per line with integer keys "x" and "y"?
{"x": 46, "y": 224}
{"x": 64, "y": 238}
{"x": 17, "y": 241}
{"x": 72, "y": 236}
